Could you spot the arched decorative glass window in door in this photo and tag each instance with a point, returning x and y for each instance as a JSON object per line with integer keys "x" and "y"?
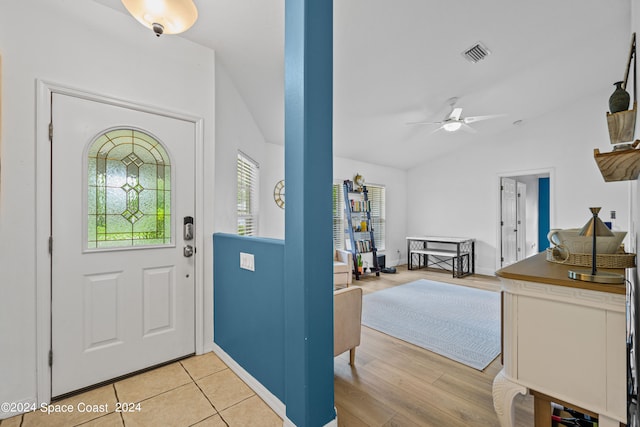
{"x": 129, "y": 191}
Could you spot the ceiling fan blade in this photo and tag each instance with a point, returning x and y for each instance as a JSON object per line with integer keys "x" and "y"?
{"x": 423, "y": 123}
{"x": 465, "y": 127}
{"x": 456, "y": 113}
{"x": 479, "y": 118}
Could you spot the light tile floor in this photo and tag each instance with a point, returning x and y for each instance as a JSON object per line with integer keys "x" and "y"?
{"x": 199, "y": 391}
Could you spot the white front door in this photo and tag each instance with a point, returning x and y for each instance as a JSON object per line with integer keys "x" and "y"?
{"x": 123, "y": 285}
{"x": 508, "y": 221}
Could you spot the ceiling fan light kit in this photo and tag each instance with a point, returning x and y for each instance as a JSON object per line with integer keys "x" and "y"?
{"x": 163, "y": 16}
{"x": 454, "y": 121}
{"x": 452, "y": 126}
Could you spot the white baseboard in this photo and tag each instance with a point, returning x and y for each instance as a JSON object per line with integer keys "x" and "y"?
{"x": 269, "y": 398}
{"x": 287, "y": 422}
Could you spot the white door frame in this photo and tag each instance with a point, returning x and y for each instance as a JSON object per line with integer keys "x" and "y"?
{"x": 45, "y": 90}
{"x": 552, "y": 208}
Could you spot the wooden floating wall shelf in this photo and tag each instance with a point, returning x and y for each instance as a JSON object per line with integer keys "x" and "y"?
{"x": 622, "y": 125}
{"x": 623, "y": 165}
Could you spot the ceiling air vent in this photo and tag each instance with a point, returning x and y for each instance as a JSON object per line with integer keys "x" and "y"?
{"x": 476, "y": 52}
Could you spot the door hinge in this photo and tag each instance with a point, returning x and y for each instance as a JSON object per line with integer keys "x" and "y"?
{"x": 501, "y": 259}
{"x": 501, "y": 223}
{"x": 50, "y": 244}
{"x": 50, "y": 132}
{"x": 50, "y": 358}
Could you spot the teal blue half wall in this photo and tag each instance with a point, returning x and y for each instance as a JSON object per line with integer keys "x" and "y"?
{"x": 249, "y": 306}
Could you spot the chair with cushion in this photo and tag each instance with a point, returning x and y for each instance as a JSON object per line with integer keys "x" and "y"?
{"x": 347, "y": 318}
{"x": 342, "y": 269}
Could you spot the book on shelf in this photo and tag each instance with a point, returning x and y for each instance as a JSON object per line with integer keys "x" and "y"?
{"x": 364, "y": 246}
{"x": 360, "y": 205}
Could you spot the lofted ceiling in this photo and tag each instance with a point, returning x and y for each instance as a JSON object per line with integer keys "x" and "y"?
{"x": 398, "y": 62}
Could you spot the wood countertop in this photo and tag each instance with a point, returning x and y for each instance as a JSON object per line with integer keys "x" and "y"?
{"x": 538, "y": 269}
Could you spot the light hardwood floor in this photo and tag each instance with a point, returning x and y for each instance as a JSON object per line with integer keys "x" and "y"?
{"x": 395, "y": 383}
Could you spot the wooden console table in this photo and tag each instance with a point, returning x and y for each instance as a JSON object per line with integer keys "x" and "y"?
{"x": 461, "y": 261}
{"x": 563, "y": 341}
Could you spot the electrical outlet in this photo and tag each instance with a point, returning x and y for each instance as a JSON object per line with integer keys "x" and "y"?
{"x": 247, "y": 261}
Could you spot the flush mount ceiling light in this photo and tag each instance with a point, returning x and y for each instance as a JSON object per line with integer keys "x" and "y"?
{"x": 163, "y": 16}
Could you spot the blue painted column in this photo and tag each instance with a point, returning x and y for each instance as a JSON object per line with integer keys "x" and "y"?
{"x": 308, "y": 290}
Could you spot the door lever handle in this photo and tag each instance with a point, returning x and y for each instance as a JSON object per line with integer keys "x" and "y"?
{"x": 188, "y": 251}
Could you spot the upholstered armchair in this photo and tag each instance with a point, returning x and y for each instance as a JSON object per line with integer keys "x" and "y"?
{"x": 347, "y": 318}
{"x": 342, "y": 269}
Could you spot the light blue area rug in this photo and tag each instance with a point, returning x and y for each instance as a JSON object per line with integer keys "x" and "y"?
{"x": 455, "y": 321}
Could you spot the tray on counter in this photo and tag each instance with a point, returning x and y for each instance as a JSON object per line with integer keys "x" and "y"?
{"x": 617, "y": 260}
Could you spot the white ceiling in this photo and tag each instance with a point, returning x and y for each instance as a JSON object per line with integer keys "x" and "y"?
{"x": 400, "y": 61}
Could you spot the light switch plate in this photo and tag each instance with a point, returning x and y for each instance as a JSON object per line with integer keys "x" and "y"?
{"x": 247, "y": 261}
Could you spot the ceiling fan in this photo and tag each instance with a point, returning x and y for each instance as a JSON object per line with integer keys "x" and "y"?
{"x": 454, "y": 120}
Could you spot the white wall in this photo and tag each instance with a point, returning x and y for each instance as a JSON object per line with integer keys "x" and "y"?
{"x": 235, "y": 130}
{"x": 562, "y": 140}
{"x": 90, "y": 47}
{"x": 272, "y": 216}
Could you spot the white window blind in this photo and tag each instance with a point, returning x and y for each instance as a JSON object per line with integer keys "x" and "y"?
{"x": 338, "y": 216}
{"x": 377, "y": 198}
{"x": 247, "y": 195}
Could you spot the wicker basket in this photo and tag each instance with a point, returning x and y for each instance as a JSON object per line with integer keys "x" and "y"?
{"x": 619, "y": 260}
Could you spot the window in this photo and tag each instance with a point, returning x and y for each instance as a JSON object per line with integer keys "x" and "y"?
{"x": 377, "y": 197}
{"x": 247, "y": 195}
{"x": 128, "y": 191}
{"x": 338, "y": 216}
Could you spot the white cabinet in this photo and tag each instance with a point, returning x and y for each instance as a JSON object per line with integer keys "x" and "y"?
{"x": 565, "y": 342}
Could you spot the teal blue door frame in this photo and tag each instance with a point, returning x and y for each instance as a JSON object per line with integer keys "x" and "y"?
{"x": 308, "y": 281}
{"x": 543, "y": 213}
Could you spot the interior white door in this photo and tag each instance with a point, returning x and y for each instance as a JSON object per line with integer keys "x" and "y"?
{"x": 508, "y": 221}
{"x": 123, "y": 284}
{"x": 521, "y": 220}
